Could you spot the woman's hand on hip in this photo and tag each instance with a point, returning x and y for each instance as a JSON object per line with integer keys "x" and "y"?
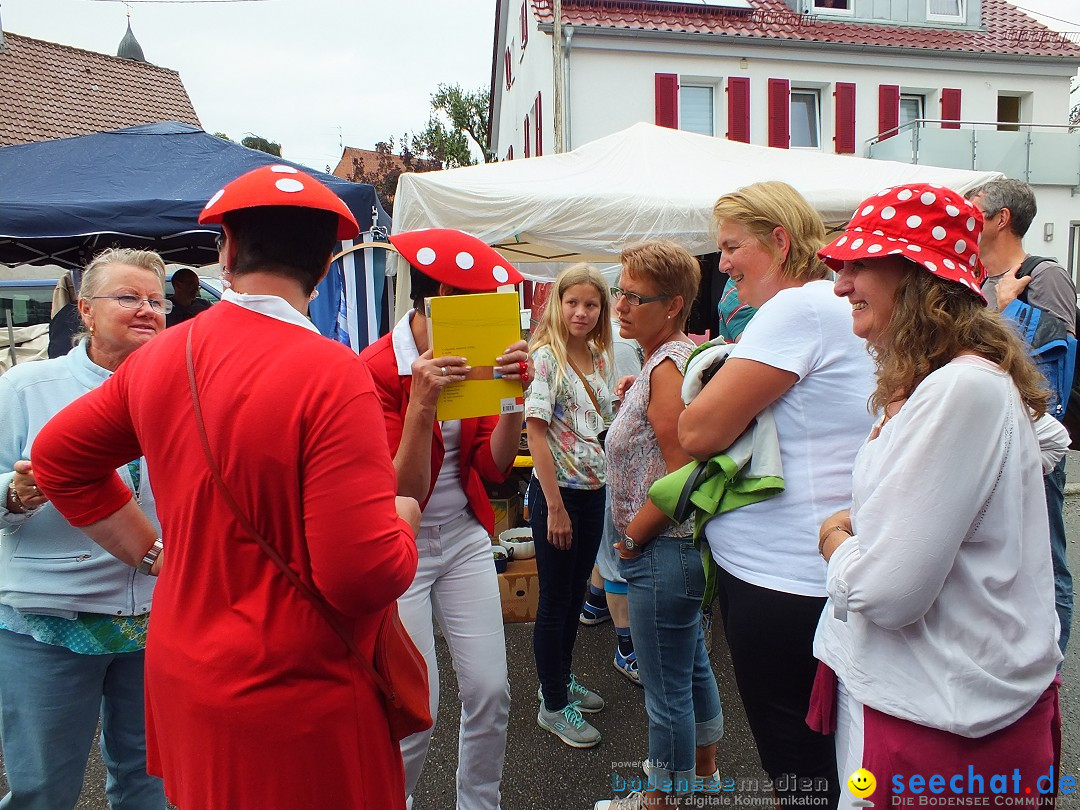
{"x": 560, "y": 531}
{"x": 430, "y": 374}
{"x": 408, "y": 510}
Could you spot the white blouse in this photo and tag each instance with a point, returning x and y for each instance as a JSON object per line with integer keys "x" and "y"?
{"x": 941, "y": 607}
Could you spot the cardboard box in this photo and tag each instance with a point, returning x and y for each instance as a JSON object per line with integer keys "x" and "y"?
{"x": 507, "y": 513}
{"x": 519, "y": 589}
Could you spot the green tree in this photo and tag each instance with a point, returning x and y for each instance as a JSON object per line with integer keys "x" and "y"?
{"x": 262, "y": 144}
{"x": 457, "y": 124}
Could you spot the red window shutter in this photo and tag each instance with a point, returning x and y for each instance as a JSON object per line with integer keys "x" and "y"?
{"x": 888, "y": 110}
{"x": 667, "y": 100}
{"x": 527, "y": 134}
{"x": 845, "y": 118}
{"x": 524, "y": 27}
{"x": 779, "y": 113}
{"x": 538, "y": 120}
{"x": 950, "y": 107}
{"x": 508, "y": 62}
{"x": 738, "y": 109}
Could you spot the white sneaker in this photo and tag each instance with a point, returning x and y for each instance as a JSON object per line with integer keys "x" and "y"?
{"x": 702, "y": 784}
{"x": 631, "y": 801}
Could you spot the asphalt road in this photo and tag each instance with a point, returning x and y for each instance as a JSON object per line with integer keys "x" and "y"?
{"x": 543, "y": 774}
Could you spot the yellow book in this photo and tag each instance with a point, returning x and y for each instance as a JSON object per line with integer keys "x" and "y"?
{"x": 478, "y": 328}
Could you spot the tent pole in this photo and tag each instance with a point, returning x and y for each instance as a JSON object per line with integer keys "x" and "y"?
{"x": 11, "y": 336}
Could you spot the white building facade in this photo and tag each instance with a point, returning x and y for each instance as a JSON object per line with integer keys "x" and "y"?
{"x": 956, "y": 83}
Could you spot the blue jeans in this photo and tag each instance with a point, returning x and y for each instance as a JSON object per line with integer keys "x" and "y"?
{"x": 50, "y": 699}
{"x": 666, "y": 583}
{"x": 562, "y": 576}
{"x": 1054, "y": 484}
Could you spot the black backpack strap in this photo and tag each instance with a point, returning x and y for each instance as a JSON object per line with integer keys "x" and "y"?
{"x": 1027, "y": 267}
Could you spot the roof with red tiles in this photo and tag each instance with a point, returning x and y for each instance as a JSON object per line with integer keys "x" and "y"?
{"x": 1006, "y": 30}
{"x": 372, "y": 159}
{"x": 56, "y": 91}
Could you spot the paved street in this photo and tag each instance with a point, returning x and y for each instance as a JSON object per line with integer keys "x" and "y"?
{"x": 543, "y": 774}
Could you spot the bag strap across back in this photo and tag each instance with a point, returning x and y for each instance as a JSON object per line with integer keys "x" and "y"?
{"x": 317, "y": 601}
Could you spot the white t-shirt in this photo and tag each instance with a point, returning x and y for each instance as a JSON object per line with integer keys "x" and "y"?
{"x": 941, "y": 607}
{"x": 821, "y": 422}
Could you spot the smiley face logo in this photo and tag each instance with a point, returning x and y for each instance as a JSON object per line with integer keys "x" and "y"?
{"x": 862, "y": 783}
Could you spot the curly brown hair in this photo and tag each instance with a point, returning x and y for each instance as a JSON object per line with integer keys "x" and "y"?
{"x": 935, "y": 320}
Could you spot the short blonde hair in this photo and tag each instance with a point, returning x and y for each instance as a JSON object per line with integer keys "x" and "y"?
{"x": 762, "y": 207}
{"x": 669, "y": 267}
{"x": 93, "y": 278}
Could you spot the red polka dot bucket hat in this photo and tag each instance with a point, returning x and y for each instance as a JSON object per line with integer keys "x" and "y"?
{"x": 278, "y": 185}
{"x": 455, "y": 258}
{"x": 929, "y": 224}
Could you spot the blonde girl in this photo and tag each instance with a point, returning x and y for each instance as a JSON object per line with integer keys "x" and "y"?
{"x": 567, "y": 407}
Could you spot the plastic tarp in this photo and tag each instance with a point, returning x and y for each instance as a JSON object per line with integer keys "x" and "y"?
{"x": 642, "y": 183}
{"x": 144, "y": 186}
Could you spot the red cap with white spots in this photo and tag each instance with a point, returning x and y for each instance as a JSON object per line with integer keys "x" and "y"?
{"x": 278, "y": 185}
{"x": 929, "y": 224}
{"x": 455, "y": 258}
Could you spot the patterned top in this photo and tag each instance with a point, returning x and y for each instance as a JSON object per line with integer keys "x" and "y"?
{"x": 634, "y": 457}
{"x": 573, "y": 423}
{"x": 87, "y": 633}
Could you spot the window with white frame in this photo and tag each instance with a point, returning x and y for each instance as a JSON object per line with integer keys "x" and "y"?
{"x": 945, "y": 10}
{"x": 912, "y": 108}
{"x": 696, "y": 113}
{"x": 805, "y": 118}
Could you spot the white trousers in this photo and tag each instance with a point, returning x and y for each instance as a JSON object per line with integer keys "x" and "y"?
{"x": 849, "y": 742}
{"x": 456, "y": 585}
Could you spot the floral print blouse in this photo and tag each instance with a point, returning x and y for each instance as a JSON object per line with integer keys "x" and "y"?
{"x": 574, "y": 426}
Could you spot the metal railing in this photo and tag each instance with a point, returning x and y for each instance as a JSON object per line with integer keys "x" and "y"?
{"x": 1047, "y": 154}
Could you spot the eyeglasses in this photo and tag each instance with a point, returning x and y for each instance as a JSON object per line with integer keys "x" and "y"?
{"x": 162, "y": 306}
{"x": 633, "y": 299}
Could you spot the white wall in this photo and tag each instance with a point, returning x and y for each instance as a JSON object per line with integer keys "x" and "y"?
{"x": 532, "y": 73}
{"x": 611, "y": 86}
{"x": 612, "y": 82}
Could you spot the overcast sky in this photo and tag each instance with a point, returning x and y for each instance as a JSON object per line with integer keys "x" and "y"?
{"x": 309, "y": 74}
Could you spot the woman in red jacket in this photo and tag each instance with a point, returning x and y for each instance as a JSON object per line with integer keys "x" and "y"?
{"x": 444, "y": 465}
{"x": 253, "y": 701}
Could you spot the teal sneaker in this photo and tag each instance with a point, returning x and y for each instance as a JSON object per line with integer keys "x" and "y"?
{"x": 588, "y": 702}
{"x": 569, "y": 726}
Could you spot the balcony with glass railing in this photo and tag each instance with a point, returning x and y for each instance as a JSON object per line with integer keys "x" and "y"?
{"x": 1040, "y": 154}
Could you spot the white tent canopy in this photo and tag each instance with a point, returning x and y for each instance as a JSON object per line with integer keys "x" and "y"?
{"x": 645, "y": 182}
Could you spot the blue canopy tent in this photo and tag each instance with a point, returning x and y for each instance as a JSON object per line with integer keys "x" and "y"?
{"x": 63, "y": 200}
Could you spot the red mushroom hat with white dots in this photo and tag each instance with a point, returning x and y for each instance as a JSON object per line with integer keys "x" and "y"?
{"x": 278, "y": 185}
{"x": 455, "y": 258}
{"x": 929, "y": 224}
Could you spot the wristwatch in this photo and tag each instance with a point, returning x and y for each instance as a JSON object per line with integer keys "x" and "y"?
{"x": 150, "y": 558}
{"x": 630, "y": 544}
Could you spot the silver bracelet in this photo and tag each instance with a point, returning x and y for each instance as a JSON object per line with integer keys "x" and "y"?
{"x": 150, "y": 557}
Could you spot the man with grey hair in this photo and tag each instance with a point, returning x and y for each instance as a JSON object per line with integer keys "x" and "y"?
{"x": 1008, "y": 207}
